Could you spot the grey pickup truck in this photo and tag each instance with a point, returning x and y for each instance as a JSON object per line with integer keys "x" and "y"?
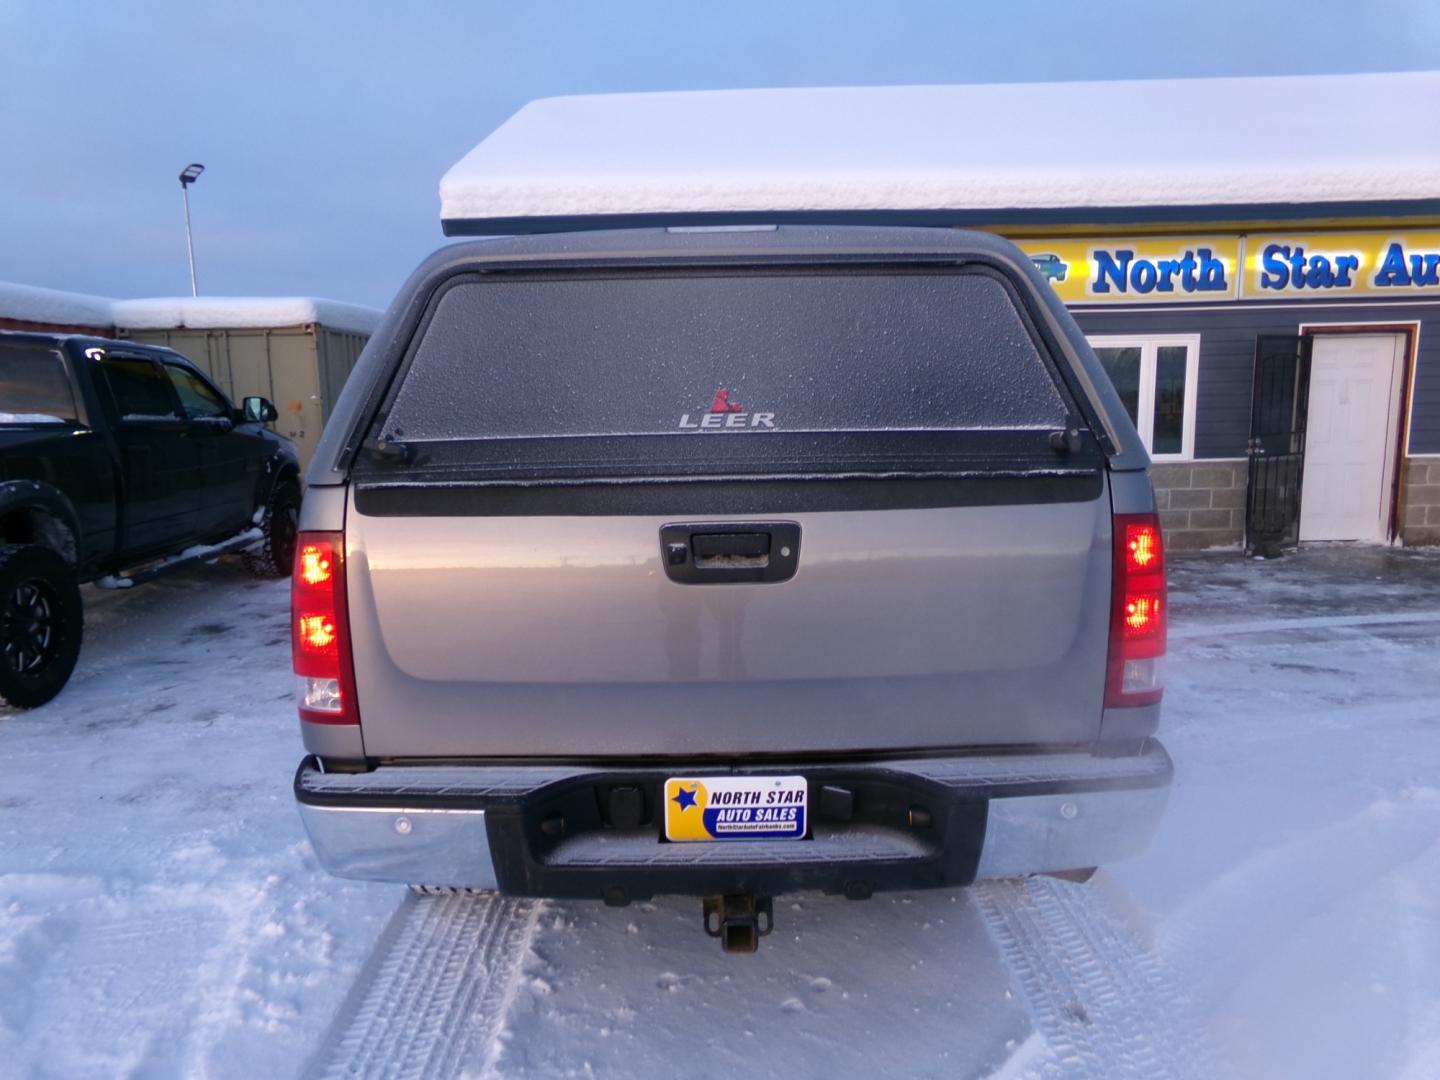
{"x": 728, "y": 564}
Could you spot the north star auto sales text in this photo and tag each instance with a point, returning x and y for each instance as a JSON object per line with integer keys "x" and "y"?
{"x": 1282, "y": 267}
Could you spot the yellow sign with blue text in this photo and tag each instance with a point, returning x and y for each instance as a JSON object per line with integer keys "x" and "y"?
{"x": 735, "y": 808}
{"x": 1145, "y": 269}
{"x": 1318, "y": 266}
{"x": 1328, "y": 265}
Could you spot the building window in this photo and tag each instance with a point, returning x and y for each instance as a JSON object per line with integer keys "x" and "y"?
{"x": 1155, "y": 377}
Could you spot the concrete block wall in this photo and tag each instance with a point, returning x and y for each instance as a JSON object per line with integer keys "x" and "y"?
{"x": 1420, "y": 514}
{"x": 1201, "y": 503}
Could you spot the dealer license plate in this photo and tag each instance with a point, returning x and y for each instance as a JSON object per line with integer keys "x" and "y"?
{"x": 735, "y": 807}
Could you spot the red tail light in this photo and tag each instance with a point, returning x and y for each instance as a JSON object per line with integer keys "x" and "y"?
{"x": 1137, "y": 613}
{"x": 320, "y": 630}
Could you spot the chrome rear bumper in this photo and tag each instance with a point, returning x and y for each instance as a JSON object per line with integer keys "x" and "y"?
{"x": 480, "y": 826}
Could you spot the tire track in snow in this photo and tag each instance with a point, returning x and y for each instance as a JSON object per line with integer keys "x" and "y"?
{"x": 1098, "y": 997}
{"x": 432, "y": 999}
{"x": 1304, "y": 622}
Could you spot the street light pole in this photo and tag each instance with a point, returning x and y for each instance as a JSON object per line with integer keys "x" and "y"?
{"x": 188, "y": 176}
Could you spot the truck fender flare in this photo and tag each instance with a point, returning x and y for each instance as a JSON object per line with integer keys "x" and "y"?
{"x": 285, "y": 471}
{"x": 51, "y": 501}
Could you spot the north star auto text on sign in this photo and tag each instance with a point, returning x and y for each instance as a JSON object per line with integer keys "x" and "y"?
{"x": 1248, "y": 267}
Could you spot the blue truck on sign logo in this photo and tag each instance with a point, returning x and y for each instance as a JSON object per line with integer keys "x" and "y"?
{"x": 1050, "y": 265}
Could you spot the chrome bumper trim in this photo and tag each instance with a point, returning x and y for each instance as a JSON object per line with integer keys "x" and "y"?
{"x": 1032, "y": 834}
{"x": 419, "y": 846}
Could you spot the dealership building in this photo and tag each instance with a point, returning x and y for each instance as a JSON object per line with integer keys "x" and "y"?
{"x": 1255, "y": 260}
{"x": 1243, "y": 352}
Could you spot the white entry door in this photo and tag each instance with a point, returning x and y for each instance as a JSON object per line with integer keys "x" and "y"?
{"x": 1350, "y": 436}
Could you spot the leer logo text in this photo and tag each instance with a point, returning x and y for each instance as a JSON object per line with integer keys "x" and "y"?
{"x": 725, "y": 414}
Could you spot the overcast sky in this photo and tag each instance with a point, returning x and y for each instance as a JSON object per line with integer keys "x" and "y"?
{"x": 325, "y": 127}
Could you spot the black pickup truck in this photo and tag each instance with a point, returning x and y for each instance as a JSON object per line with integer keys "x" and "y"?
{"x": 119, "y": 461}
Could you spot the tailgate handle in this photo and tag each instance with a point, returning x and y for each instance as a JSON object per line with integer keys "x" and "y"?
{"x": 754, "y": 546}
{"x": 719, "y": 552}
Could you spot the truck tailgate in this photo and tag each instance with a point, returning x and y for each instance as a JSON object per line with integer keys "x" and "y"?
{"x": 509, "y": 590}
{"x": 901, "y": 629}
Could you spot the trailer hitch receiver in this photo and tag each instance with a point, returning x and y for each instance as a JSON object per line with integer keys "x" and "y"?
{"x": 739, "y": 921}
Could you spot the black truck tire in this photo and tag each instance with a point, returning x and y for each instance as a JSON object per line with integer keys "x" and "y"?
{"x": 41, "y": 624}
{"x": 275, "y": 556}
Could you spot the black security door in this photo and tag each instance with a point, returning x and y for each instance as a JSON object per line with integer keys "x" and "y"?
{"x": 1277, "y": 442}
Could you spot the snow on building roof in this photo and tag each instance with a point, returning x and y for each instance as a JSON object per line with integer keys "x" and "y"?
{"x": 29, "y": 303}
{"x": 1006, "y": 151}
{"x": 235, "y": 312}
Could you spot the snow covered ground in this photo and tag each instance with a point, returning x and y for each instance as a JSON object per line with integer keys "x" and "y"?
{"x": 160, "y": 914}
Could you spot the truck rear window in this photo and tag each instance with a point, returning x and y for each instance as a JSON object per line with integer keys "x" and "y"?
{"x": 723, "y": 353}
{"x": 34, "y": 387}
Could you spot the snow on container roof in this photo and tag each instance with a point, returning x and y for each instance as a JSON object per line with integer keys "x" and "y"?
{"x": 1132, "y": 150}
{"x": 238, "y": 312}
{"x": 29, "y": 303}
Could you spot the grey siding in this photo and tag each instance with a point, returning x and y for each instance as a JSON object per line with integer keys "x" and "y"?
{"x": 1425, "y": 407}
{"x": 1227, "y": 351}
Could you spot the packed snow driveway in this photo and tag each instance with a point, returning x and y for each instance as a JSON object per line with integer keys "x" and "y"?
{"x": 160, "y": 913}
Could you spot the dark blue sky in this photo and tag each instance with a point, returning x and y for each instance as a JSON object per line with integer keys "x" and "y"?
{"x": 325, "y": 127}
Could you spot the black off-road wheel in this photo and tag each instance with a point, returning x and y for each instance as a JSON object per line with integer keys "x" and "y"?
{"x": 41, "y": 623}
{"x": 275, "y": 556}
